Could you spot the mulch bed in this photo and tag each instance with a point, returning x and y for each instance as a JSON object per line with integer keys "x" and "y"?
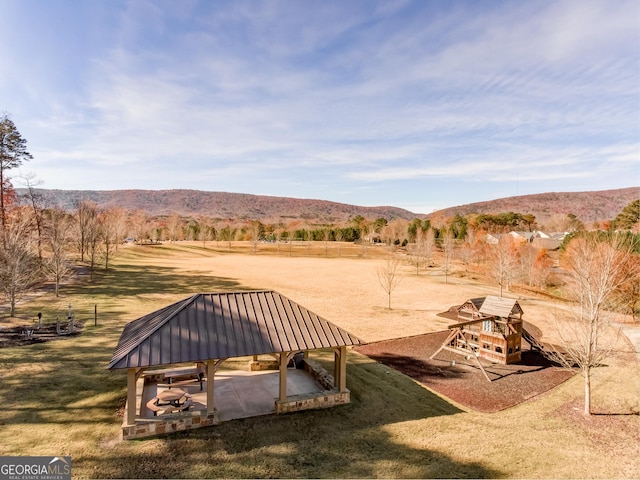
{"x": 16, "y": 336}
{"x": 461, "y": 380}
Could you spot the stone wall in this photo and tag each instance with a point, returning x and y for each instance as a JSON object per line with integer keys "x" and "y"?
{"x": 260, "y": 365}
{"x": 167, "y": 424}
{"x": 318, "y": 372}
{"x": 295, "y": 403}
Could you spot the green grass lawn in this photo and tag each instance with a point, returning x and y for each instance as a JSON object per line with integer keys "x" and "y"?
{"x": 57, "y": 398}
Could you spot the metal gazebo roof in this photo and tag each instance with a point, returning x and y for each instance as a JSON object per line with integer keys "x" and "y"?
{"x": 223, "y": 325}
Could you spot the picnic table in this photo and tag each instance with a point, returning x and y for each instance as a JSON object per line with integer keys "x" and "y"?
{"x": 170, "y": 401}
{"x": 184, "y": 376}
{"x": 178, "y": 376}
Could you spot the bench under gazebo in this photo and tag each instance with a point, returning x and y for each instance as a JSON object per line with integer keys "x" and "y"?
{"x": 182, "y": 345}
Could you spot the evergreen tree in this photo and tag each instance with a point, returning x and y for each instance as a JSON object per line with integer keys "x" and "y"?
{"x": 13, "y": 151}
{"x": 629, "y": 216}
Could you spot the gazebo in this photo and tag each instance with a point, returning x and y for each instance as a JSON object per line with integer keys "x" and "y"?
{"x": 206, "y": 329}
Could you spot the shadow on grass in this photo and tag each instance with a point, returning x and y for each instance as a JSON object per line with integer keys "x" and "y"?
{"x": 417, "y": 368}
{"x": 128, "y": 280}
{"x": 350, "y": 441}
{"x": 301, "y": 454}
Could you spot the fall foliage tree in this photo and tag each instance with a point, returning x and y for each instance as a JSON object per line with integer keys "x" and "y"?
{"x": 597, "y": 267}
{"x": 503, "y": 261}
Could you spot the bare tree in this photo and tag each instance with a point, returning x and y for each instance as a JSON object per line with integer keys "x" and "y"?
{"x": 416, "y": 252}
{"x": 447, "y": 244}
{"x": 205, "y": 231}
{"x": 57, "y": 234}
{"x": 85, "y": 210}
{"x": 528, "y": 256}
{"x": 254, "y": 235}
{"x": 326, "y": 238}
{"x": 174, "y": 227}
{"x": 93, "y": 236}
{"x": 597, "y": 268}
{"x": 111, "y": 221}
{"x": 36, "y": 201}
{"x": 389, "y": 275}
{"x": 338, "y": 234}
{"x": 468, "y": 249}
{"x": 228, "y": 234}
{"x": 503, "y": 261}
{"x": 19, "y": 265}
{"x": 291, "y": 232}
{"x": 139, "y": 226}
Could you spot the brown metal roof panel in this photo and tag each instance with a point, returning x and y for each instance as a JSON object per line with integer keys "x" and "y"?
{"x": 241, "y": 322}
{"x": 297, "y": 324}
{"x": 262, "y": 340}
{"x": 209, "y": 326}
{"x": 285, "y": 336}
{"x": 306, "y": 325}
{"x": 136, "y": 331}
{"x": 266, "y": 315}
{"x": 250, "y": 332}
{"x": 206, "y": 323}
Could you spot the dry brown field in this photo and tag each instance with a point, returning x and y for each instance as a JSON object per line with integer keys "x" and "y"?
{"x": 57, "y": 397}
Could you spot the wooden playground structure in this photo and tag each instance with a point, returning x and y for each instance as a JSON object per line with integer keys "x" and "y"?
{"x": 488, "y": 327}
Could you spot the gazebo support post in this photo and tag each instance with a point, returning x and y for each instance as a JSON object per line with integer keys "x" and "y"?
{"x": 340, "y": 369}
{"x": 211, "y": 373}
{"x": 283, "y": 376}
{"x": 132, "y": 379}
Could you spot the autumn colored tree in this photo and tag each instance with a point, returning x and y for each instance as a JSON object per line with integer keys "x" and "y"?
{"x": 597, "y": 267}
{"x": 503, "y": 261}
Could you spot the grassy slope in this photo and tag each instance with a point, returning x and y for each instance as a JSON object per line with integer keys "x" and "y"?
{"x": 58, "y": 399}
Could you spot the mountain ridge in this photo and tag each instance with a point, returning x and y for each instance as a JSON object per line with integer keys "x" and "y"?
{"x": 588, "y": 206}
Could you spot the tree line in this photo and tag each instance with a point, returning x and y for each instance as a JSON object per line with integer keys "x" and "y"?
{"x": 40, "y": 242}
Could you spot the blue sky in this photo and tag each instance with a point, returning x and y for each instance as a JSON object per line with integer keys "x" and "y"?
{"x": 417, "y": 104}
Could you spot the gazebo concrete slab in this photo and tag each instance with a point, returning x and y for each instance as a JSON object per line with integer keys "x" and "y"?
{"x": 240, "y": 394}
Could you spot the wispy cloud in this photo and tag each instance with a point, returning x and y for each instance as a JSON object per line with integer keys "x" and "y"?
{"x": 275, "y": 95}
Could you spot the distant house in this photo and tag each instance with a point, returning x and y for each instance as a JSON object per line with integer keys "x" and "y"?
{"x": 373, "y": 238}
{"x": 549, "y": 242}
{"x": 522, "y": 237}
{"x": 492, "y": 238}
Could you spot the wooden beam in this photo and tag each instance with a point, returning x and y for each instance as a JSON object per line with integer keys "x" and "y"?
{"x": 342, "y": 383}
{"x": 132, "y": 374}
{"x": 451, "y": 336}
{"x": 211, "y": 366}
{"x": 283, "y": 377}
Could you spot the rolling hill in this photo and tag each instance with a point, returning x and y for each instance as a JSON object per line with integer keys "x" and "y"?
{"x": 587, "y": 206}
{"x": 221, "y": 205}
